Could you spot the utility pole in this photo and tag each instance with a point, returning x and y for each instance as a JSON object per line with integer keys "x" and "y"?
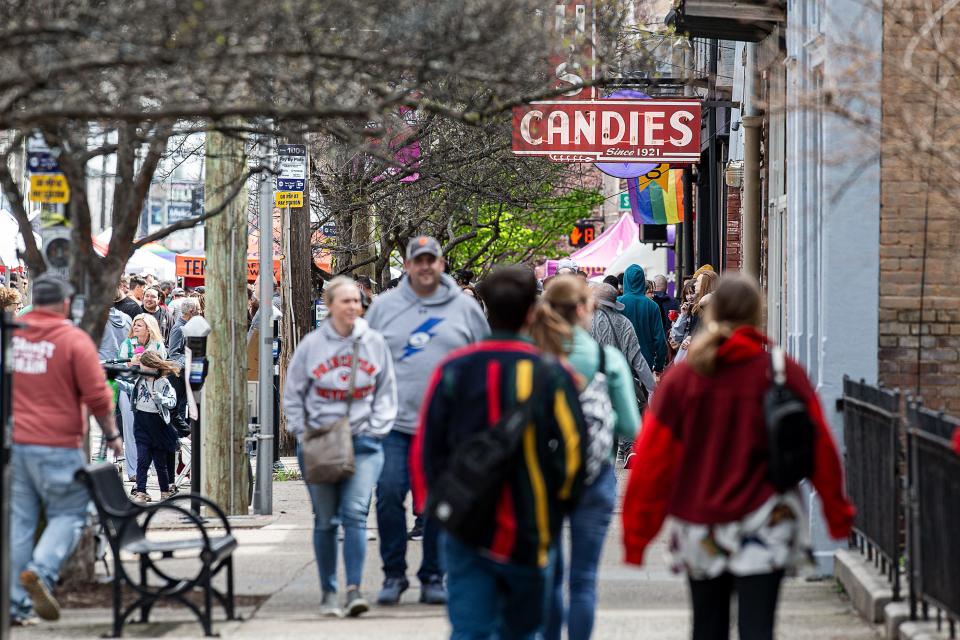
{"x": 296, "y": 288}
{"x": 225, "y": 477}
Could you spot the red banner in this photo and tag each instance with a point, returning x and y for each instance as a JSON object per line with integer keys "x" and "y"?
{"x": 609, "y": 130}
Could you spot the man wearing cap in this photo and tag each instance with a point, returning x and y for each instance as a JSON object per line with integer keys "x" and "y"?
{"x": 177, "y": 296}
{"x": 56, "y": 373}
{"x": 423, "y": 319}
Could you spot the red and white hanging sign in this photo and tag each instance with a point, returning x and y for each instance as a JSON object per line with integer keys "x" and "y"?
{"x": 609, "y": 130}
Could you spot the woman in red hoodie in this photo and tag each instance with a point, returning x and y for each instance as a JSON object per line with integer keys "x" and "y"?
{"x": 702, "y": 459}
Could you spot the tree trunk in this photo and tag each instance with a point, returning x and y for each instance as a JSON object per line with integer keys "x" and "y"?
{"x": 225, "y": 475}
{"x": 297, "y": 295}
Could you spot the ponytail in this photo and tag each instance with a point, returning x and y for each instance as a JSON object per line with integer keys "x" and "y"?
{"x": 702, "y": 355}
{"x": 549, "y": 330}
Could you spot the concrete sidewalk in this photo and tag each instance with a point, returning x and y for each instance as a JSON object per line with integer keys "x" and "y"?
{"x": 275, "y": 559}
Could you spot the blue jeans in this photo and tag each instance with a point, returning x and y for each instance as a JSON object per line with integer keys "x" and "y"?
{"x": 490, "y": 600}
{"x": 43, "y": 477}
{"x": 392, "y": 491}
{"x": 588, "y": 528}
{"x": 348, "y": 503}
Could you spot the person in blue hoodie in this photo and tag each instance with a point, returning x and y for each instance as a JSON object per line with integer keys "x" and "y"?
{"x": 424, "y": 319}
{"x": 644, "y": 315}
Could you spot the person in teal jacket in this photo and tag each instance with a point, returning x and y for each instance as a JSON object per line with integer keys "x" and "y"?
{"x": 644, "y": 315}
{"x": 567, "y": 307}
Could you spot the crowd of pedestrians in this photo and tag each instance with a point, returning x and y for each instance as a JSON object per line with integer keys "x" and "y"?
{"x": 502, "y": 408}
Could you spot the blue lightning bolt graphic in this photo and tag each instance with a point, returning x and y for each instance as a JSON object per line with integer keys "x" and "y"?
{"x": 424, "y": 328}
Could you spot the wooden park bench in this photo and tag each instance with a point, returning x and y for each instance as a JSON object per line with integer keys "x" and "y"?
{"x": 126, "y": 524}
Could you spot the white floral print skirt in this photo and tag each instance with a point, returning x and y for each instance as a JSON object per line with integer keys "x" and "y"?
{"x": 773, "y": 537}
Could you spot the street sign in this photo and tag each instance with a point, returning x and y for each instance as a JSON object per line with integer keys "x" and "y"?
{"x": 42, "y": 162}
{"x": 290, "y": 184}
{"x": 609, "y": 130}
{"x": 329, "y": 230}
{"x": 582, "y": 234}
{"x": 293, "y": 162}
{"x": 288, "y": 198}
{"x": 625, "y": 201}
{"x": 49, "y": 188}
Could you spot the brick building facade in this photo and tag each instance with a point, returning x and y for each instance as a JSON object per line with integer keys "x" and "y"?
{"x": 919, "y": 329}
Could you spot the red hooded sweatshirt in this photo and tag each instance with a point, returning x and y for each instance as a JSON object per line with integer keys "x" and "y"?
{"x": 702, "y": 453}
{"x": 56, "y": 370}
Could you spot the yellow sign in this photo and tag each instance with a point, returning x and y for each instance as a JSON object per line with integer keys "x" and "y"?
{"x": 51, "y": 188}
{"x": 288, "y": 199}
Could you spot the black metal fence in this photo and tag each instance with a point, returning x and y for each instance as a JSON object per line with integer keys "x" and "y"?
{"x": 934, "y": 506}
{"x": 904, "y": 478}
{"x": 873, "y": 456}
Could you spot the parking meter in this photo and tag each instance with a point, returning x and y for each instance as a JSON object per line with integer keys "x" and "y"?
{"x": 195, "y": 333}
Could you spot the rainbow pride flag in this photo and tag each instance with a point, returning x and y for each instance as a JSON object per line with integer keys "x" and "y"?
{"x": 657, "y": 197}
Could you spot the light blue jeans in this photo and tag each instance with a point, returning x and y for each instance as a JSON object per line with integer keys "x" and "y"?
{"x": 589, "y": 522}
{"x": 43, "y": 477}
{"x": 348, "y": 503}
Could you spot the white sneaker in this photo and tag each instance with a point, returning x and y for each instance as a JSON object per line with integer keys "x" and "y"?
{"x": 329, "y": 607}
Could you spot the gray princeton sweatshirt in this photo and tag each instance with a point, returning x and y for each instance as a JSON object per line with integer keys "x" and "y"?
{"x": 420, "y": 333}
{"x": 318, "y": 378}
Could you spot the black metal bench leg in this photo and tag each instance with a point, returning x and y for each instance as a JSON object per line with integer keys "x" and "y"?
{"x": 231, "y": 605}
{"x": 207, "y": 620}
{"x": 117, "y": 597}
{"x": 145, "y": 609}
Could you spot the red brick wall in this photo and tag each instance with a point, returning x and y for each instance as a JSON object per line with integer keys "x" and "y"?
{"x": 918, "y": 354}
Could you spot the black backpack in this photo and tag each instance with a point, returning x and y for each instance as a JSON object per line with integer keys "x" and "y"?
{"x": 790, "y": 429}
{"x": 463, "y": 498}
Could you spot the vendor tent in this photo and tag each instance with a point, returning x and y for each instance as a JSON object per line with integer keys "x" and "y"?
{"x": 614, "y": 250}
{"x": 150, "y": 258}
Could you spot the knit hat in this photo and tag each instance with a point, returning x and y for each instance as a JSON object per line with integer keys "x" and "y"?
{"x": 49, "y": 289}
{"x": 606, "y": 295}
{"x": 706, "y": 267}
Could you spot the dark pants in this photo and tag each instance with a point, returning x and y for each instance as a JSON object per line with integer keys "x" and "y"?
{"x": 392, "y": 490}
{"x": 494, "y": 600}
{"x": 156, "y": 443}
{"x": 756, "y": 606}
{"x": 145, "y": 455}
{"x": 178, "y": 417}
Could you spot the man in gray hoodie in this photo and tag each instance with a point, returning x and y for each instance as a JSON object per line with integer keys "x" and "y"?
{"x": 115, "y": 332}
{"x": 423, "y": 320}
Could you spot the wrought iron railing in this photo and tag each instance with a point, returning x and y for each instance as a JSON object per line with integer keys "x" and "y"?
{"x": 903, "y": 475}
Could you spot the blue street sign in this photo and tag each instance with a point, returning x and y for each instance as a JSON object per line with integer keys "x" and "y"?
{"x": 290, "y": 184}
{"x": 42, "y": 162}
{"x": 329, "y": 230}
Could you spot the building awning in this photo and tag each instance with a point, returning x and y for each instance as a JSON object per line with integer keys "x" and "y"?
{"x": 741, "y": 20}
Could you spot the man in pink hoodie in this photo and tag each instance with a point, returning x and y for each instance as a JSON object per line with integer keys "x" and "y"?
{"x": 56, "y": 372}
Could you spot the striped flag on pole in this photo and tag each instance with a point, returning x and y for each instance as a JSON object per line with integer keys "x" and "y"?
{"x": 657, "y": 197}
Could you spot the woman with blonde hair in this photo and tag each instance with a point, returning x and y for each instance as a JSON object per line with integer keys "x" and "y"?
{"x": 609, "y": 404}
{"x": 342, "y": 369}
{"x": 153, "y": 397}
{"x": 691, "y": 313}
{"x": 144, "y": 336}
{"x": 703, "y": 458}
